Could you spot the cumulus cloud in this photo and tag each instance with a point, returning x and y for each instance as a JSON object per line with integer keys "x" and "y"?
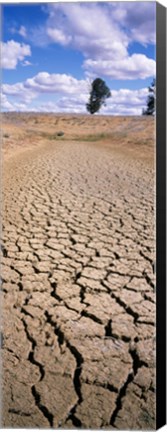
{"x": 103, "y": 33}
{"x": 5, "y": 104}
{"x": 126, "y": 102}
{"x": 86, "y": 27}
{"x": 19, "y": 92}
{"x": 138, "y": 18}
{"x": 45, "y": 83}
{"x": 64, "y": 105}
{"x": 57, "y": 35}
{"x": 67, "y": 95}
{"x": 12, "y": 52}
{"x": 122, "y": 102}
{"x": 135, "y": 66}
{"x": 73, "y": 104}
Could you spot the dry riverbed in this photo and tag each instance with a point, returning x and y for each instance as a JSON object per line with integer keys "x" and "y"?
{"x": 78, "y": 272}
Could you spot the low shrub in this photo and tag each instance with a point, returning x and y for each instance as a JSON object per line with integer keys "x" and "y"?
{"x": 60, "y": 133}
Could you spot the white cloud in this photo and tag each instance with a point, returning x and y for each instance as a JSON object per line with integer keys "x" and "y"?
{"x": 57, "y": 35}
{"x": 103, "y": 33}
{"x": 5, "y": 104}
{"x": 126, "y": 102}
{"x": 63, "y": 105}
{"x": 56, "y": 83}
{"x": 138, "y": 17}
{"x": 26, "y": 63}
{"x": 132, "y": 67}
{"x": 12, "y": 52}
{"x": 88, "y": 28}
{"x": 19, "y": 92}
{"x": 73, "y": 104}
{"x": 67, "y": 94}
{"x": 8, "y": 106}
{"x": 22, "y": 31}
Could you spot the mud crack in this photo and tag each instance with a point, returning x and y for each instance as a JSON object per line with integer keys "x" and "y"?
{"x": 34, "y": 392}
{"x": 41, "y": 407}
{"x": 121, "y": 394}
{"x": 79, "y": 361}
{"x": 136, "y": 364}
{"x": 77, "y": 384}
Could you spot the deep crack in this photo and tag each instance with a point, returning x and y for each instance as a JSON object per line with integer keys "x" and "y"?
{"x": 108, "y": 329}
{"x": 79, "y": 361}
{"x": 41, "y": 407}
{"x": 93, "y": 317}
{"x": 35, "y": 394}
{"x": 121, "y": 394}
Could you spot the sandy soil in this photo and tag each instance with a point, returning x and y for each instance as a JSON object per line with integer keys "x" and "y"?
{"x": 78, "y": 272}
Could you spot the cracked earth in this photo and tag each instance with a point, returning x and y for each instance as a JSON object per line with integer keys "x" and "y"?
{"x": 78, "y": 275}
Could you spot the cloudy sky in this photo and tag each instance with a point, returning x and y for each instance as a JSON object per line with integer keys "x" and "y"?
{"x": 51, "y": 52}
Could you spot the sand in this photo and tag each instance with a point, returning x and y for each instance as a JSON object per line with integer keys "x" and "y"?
{"x": 78, "y": 272}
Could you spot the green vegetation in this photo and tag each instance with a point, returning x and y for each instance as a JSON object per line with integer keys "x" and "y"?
{"x": 51, "y": 136}
{"x": 100, "y": 136}
{"x": 60, "y": 133}
{"x": 151, "y": 99}
{"x": 93, "y": 137}
{"x": 98, "y": 95}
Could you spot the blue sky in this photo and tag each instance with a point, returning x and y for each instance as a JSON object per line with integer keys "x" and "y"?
{"x": 51, "y": 52}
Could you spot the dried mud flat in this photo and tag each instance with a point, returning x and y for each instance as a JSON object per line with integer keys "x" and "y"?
{"x": 78, "y": 272}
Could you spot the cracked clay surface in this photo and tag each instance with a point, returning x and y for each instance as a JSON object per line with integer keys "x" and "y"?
{"x": 78, "y": 284}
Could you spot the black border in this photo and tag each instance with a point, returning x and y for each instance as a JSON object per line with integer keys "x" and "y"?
{"x": 160, "y": 215}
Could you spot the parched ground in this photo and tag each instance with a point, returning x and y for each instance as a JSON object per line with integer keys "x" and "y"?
{"x": 78, "y": 272}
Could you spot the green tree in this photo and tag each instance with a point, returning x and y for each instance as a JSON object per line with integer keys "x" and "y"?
{"x": 150, "y": 109}
{"x": 98, "y": 94}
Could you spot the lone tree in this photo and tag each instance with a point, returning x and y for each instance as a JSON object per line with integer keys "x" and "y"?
{"x": 150, "y": 110}
{"x": 98, "y": 94}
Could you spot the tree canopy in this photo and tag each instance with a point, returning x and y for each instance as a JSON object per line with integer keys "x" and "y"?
{"x": 98, "y": 95}
{"x": 150, "y": 109}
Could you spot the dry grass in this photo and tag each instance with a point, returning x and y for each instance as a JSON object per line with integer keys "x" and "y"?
{"x": 135, "y": 135}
